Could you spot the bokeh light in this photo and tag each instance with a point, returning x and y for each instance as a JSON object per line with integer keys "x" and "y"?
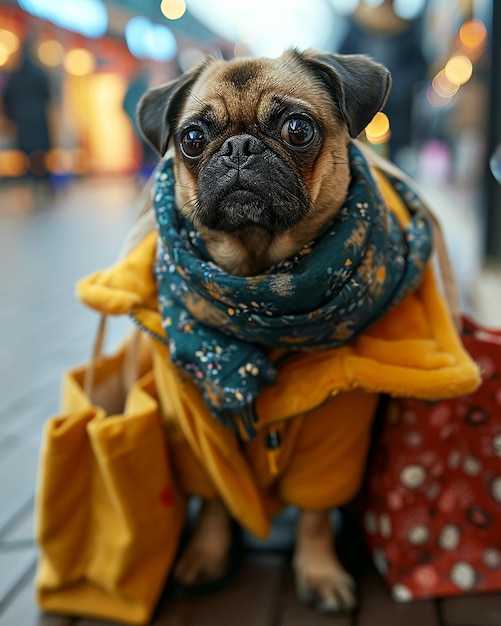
{"x": 51, "y": 52}
{"x": 147, "y": 40}
{"x": 189, "y": 57}
{"x": 442, "y": 86}
{"x": 473, "y": 34}
{"x": 458, "y": 69}
{"x": 13, "y": 163}
{"x": 378, "y": 129}
{"x": 281, "y": 24}
{"x": 79, "y": 62}
{"x": 60, "y": 161}
{"x": 409, "y": 9}
{"x": 344, "y": 7}
{"x": 241, "y": 50}
{"x": 9, "y": 40}
{"x": 437, "y": 101}
{"x": 4, "y": 54}
{"x": 173, "y": 9}
{"x": 88, "y": 17}
{"x": 248, "y": 31}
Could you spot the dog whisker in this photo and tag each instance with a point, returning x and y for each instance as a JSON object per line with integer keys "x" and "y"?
{"x": 189, "y": 186}
{"x": 195, "y": 97}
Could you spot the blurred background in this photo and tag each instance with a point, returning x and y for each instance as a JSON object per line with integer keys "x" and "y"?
{"x": 71, "y": 74}
{"x": 72, "y": 167}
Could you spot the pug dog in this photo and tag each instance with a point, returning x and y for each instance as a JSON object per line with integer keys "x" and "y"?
{"x": 261, "y": 166}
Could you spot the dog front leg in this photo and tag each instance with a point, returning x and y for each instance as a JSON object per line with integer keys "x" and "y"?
{"x": 205, "y": 558}
{"x": 321, "y": 580}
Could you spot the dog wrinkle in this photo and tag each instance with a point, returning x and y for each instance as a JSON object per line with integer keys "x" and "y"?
{"x": 241, "y": 75}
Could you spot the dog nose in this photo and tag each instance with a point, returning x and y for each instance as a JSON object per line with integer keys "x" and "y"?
{"x": 237, "y": 149}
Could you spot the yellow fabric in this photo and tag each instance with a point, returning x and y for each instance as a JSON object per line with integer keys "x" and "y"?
{"x": 108, "y": 515}
{"x": 138, "y": 291}
{"x": 414, "y": 350}
{"x": 214, "y": 446}
{"x": 322, "y": 403}
{"x": 241, "y": 476}
{"x": 322, "y": 456}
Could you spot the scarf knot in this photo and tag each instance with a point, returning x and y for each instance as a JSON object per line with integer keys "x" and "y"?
{"x": 220, "y": 326}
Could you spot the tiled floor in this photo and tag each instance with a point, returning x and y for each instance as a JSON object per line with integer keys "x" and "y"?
{"x": 45, "y": 246}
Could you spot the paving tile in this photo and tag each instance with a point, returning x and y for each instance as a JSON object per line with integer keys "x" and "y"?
{"x": 29, "y": 413}
{"x": 377, "y": 607}
{"x": 14, "y": 566}
{"x": 22, "y": 611}
{"x": 18, "y": 470}
{"x": 253, "y": 600}
{"x": 474, "y": 610}
{"x": 94, "y": 622}
{"x": 7, "y": 442}
{"x": 45, "y": 330}
{"x": 21, "y": 531}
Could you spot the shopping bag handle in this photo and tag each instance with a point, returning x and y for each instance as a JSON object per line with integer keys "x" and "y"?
{"x": 131, "y": 361}
{"x": 449, "y": 283}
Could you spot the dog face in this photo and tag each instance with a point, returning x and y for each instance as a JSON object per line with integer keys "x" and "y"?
{"x": 261, "y": 147}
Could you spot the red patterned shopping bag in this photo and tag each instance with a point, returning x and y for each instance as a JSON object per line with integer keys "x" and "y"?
{"x": 431, "y": 507}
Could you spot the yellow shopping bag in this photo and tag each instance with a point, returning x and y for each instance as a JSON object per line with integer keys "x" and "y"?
{"x": 108, "y": 516}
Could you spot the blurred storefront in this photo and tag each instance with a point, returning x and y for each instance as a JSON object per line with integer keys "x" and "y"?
{"x": 91, "y": 53}
{"x": 99, "y": 55}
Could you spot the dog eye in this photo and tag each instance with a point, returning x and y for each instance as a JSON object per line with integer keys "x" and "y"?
{"x": 193, "y": 143}
{"x": 298, "y": 132}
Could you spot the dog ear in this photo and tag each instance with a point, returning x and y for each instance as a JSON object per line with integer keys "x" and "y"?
{"x": 158, "y": 108}
{"x": 358, "y": 84}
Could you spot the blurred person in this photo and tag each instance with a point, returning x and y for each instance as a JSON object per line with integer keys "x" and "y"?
{"x": 26, "y": 100}
{"x": 394, "y": 42}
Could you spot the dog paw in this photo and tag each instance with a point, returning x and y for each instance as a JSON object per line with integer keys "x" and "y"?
{"x": 206, "y": 557}
{"x": 326, "y": 586}
{"x": 199, "y": 565}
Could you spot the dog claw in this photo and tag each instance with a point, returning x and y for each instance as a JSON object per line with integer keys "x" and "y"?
{"x": 331, "y": 591}
{"x": 327, "y": 600}
{"x": 328, "y": 606}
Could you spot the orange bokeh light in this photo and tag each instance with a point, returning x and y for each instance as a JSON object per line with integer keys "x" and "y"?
{"x": 13, "y": 163}
{"x": 473, "y": 34}
{"x": 378, "y": 129}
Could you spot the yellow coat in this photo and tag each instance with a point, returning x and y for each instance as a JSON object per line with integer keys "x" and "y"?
{"x": 319, "y": 409}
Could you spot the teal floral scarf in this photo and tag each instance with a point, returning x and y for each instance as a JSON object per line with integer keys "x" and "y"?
{"x": 220, "y": 326}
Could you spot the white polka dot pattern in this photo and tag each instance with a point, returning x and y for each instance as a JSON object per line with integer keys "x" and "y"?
{"x": 432, "y": 499}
